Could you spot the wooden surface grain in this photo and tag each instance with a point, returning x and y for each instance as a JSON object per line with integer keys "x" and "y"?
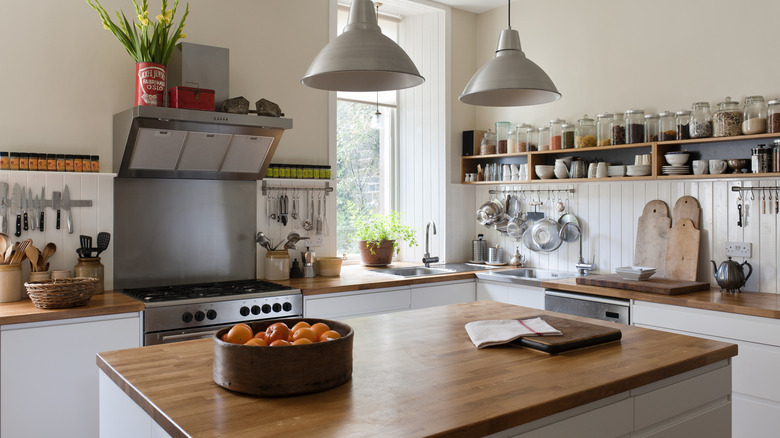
{"x": 765, "y": 305}
{"x": 654, "y": 284}
{"x": 416, "y": 373}
{"x": 107, "y": 303}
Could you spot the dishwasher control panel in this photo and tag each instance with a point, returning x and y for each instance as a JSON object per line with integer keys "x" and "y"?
{"x": 590, "y": 306}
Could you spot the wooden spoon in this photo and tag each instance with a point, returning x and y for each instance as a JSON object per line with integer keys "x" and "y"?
{"x": 46, "y": 253}
{"x": 4, "y": 242}
{"x": 8, "y": 253}
{"x": 32, "y": 253}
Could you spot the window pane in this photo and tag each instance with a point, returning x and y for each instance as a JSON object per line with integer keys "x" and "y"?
{"x": 360, "y": 168}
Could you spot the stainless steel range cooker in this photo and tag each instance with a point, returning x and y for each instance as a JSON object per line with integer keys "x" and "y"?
{"x": 194, "y": 311}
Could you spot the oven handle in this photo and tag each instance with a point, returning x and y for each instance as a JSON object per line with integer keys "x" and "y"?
{"x": 186, "y": 336}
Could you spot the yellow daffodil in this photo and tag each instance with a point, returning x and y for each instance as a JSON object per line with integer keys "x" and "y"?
{"x": 166, "y": 18}
{"x": 143, "y": 20}
{"x": 182, "y": 35}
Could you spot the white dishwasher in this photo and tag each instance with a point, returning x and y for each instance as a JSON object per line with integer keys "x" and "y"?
{"x": 591, "y": 306}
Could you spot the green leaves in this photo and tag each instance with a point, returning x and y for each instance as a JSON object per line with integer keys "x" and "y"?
{"x": 142, "y": 43}
{"x": 378, "y": 227}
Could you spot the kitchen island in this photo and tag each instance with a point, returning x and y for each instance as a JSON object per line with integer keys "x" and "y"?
{"x": 417, "y": 373}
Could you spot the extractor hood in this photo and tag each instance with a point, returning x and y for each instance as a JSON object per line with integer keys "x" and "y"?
{"x": 155, "y": 142}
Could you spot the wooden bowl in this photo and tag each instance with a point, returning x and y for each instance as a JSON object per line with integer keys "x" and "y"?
{"x": 284, "y": 371}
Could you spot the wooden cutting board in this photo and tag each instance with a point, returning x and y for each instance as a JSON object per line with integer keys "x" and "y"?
{"x": 682, "y": 251}
{"x": 655, "y": 285}
{"x": 686, "y": 207}
{"x": 574, "y": 335}
{"x": 651, "y": 233}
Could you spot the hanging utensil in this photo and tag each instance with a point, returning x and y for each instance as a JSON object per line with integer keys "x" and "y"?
{"x": 264, "y": 241}
{"x": 318, "y": 225}
{"x": 103, "y": 238}
{"x": 308, "y": 225}
{"x": 283, "y": 212}
{"x": 325, "y": 215}
{"x": 568, "y": 217}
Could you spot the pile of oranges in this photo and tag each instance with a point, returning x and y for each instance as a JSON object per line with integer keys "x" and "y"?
{"x": 278, "y": 334}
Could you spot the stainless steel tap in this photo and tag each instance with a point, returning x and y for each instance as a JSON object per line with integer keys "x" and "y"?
{"x": 427, "y": 259}
{"x": 581, "y": 266}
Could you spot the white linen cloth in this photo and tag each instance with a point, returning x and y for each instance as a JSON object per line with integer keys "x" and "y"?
{"x": 501, "y": 331}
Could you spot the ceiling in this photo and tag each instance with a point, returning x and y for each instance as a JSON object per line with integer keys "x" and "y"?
{"x": 475, "y": 6}
{"x": 411, "y": 7}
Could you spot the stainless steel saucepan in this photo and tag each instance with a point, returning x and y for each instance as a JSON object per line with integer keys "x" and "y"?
{"x": 490, "y": 212}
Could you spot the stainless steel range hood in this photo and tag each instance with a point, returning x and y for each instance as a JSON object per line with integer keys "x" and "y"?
{"x": 154, "y": 142}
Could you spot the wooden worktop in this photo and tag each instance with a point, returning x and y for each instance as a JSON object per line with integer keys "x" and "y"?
{"x": 416, "y": 373}
{"x": 107, "y": 303}
{"x": 745, "y": 303}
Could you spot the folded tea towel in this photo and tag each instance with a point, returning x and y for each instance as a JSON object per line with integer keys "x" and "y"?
{"x": 501, "y": 331}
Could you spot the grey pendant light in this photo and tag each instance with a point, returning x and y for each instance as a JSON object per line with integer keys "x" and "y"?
{"x": 509, "y": 79}
{"x": 362, "y": 58}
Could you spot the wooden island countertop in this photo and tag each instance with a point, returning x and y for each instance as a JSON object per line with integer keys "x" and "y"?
{"x": 107, "y": 303}
{"x": 416, "y": 373}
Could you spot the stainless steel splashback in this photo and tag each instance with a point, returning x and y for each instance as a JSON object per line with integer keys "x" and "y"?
{"x": 183, "y": 231}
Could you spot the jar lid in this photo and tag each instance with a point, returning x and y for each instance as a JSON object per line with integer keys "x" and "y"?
{"x": 635, "y": 111}
{"x": 567, "y": 125}
{"x": 605, "y": 116}
{"x": 651, "y": 116}
{"x": 754, "y": 99}
{"x": 558, "y": 121}
{"x": 683, "y": 113}
{"x": 773, "y": 102}
{"x": 544, "y": 128}
{"x": 585, "y": 118}
{"x": 700, "y": 105}
{"x": 666, "y": 114}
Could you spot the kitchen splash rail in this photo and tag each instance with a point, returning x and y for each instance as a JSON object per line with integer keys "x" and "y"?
{"x": 289, "y": 187}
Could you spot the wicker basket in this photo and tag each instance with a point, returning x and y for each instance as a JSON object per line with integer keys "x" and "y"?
{"x": 61, "y": 293}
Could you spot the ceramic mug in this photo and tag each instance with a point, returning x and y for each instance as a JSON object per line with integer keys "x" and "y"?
{"x": 647, "y": 159}
{"x": 638, "y": 160}
{"x": 601, "y": 170}
{"x": 717, "y": 166}
{"x": 592, "y": 170}
{"x": 699, "y": 167}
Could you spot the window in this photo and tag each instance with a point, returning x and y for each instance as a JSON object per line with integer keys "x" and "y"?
{"x": 363, "y": 152}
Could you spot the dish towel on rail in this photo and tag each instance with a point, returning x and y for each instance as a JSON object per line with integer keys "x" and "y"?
{"x": 501, "y": 331}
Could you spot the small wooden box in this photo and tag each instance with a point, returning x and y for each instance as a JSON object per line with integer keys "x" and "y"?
{"x": 191, "y": 98}
{"x": 284, "y": 371}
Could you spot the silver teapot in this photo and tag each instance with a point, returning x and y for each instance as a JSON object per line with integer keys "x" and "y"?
{"x": 730, "y": 275}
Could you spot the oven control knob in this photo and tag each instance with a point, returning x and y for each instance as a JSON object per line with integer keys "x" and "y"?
{"x": 287, "y": 307}
{"x": 187, "y": 317}
{"x": 255, "y": 310}
{"x": 266, "y": 308}
{"x": 211, "y": 314}
{"x": 199, "y": 316}
{"x": 244, "y": 311}
{"x": 277, "y": 307}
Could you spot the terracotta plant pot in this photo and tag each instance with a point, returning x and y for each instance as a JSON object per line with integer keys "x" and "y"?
{"x": 382, "y": 256}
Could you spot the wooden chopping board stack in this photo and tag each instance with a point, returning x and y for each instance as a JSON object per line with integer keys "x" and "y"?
{"x": 669, "y": 245}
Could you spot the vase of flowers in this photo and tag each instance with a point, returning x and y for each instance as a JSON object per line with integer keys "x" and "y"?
{"x": 150, "y": 43}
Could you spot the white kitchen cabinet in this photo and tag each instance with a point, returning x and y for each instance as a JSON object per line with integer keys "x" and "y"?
{"x": 48, "y": 374}
{"x": 756, "y": 388}
{"x": 344, "y": 305}
{"x": 440, "y": 294}
{"x": 511, "y": 293}
{"x": 121, "y": 417}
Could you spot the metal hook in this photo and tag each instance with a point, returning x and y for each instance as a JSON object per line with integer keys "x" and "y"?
{"x": 752, "y": 194}
{"x": 739, "y": 194}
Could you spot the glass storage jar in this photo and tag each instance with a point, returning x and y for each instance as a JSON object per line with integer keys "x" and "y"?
{"x": 635, "y": 126}
{"x": 754, "y": 116}
{"x": 683, "y": 120}
{"x": 511, "y": 141}
{"x": 667, "y": 126}
{"x": 773, "y": 116}
{"x": 90, "y": 267}
{"x": 651, "y": 127}
{"x": 526, "y": 138}
{"x": 502, "y": 129}
{"x": 487, "y": 145}
{"x": 776, "y": 156}
{"x": 604, "y": 129}
{"x": 701, "y": 121}
{"x": 567, "y": 136}
{"x": 543, "y": 138}
{"x": 727, "y": 120}
{"x": 556, "y": 133}
{"x": 618, "y": 129}
{"x": 585, "y": 133}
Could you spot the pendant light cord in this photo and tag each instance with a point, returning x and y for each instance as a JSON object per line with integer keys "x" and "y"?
{"x": 509, "y": 14}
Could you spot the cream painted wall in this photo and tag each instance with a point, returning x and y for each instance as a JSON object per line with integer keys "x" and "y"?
{"x": 63, "y": 76}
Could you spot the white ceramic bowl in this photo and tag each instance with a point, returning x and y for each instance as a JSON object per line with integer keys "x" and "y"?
{"x": 544, "y": 171}
{"x": 676, "y": 159}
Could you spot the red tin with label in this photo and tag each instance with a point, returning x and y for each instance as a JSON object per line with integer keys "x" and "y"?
{"x": 191, "y": 98}
{"x": 150, "y": 80}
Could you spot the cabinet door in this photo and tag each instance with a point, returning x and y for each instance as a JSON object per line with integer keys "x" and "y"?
{"x": 440, "y": 294}
{"x": 346, "y": 305}
{"x": 487, "y": 290}
{"x": 527, "y": 296}
{"x": 48, "y": 375}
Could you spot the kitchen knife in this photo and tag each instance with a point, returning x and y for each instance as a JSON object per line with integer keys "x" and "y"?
{"x": 66, "y": 206}
{"x": 57, "y": 204}
{"x": 3, "y": 208}
{"x": 43, "y": 207}
{"x": 16, "y": 205}
{"x": 25, "y": 225}
{"x": 32, "y": 205}
{"x": 36, "y": 206}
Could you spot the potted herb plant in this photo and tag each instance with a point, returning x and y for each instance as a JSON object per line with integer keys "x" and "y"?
{"x": 149, "y": 42}
{"x": 380, "y": 236}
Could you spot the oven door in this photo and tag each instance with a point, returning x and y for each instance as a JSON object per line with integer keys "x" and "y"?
{"x": 170, "y": 336}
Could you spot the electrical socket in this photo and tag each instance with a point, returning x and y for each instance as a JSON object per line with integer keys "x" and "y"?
{"x": 314, "y": 241}
{"x": 738, "y": 249}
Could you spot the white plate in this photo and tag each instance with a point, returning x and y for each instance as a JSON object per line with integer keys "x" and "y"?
{"x": 635, "y": 268}
{"x": 496, "y": 264}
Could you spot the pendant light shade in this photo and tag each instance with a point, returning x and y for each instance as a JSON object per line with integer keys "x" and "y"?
{"x": 362, "y": 58}
{"x": 509, "y": 79}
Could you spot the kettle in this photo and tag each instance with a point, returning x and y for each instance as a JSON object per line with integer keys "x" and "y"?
{"x": 730, "y": 275}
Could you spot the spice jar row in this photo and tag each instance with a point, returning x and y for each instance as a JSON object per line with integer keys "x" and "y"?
{"x": 298, "y": 171}
{"x": 49, "y": 162}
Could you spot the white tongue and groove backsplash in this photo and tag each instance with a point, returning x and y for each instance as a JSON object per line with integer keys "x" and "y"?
{"x": 608, "y": 213}
{"x": 97, "y": 187}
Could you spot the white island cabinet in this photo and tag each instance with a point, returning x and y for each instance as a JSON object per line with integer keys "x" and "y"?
{"x": 511, "y": 293}
{"x": 48, "y": 376}
{"x": 756, "y": 387}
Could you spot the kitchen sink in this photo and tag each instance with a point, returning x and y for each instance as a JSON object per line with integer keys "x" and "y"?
{"x": 414, "y": 272}
{"x": 525, "y": 276}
